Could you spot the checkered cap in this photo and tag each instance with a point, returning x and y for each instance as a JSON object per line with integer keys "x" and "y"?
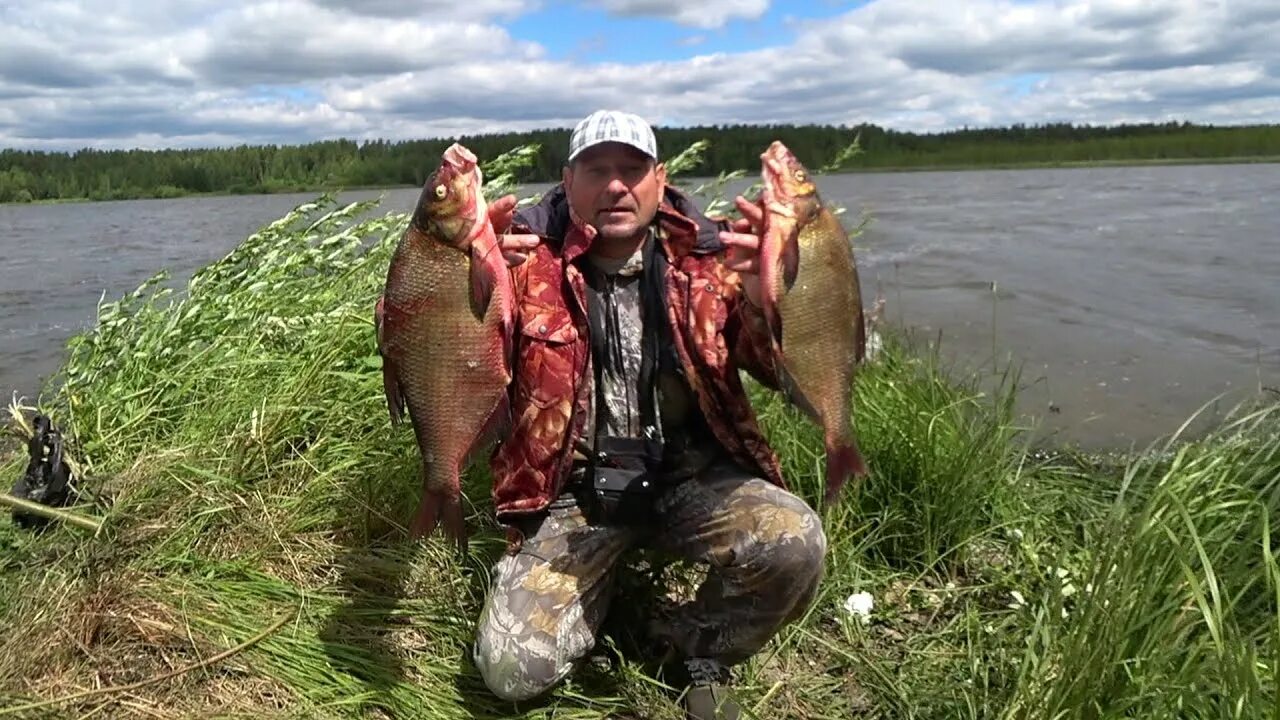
{"x": 613, "y": 126}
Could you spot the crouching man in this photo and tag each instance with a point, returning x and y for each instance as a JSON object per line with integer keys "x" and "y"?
{"x": 631, "y": 427}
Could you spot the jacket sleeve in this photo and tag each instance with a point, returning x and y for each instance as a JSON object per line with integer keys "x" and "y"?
{"x": 747, "y": 337}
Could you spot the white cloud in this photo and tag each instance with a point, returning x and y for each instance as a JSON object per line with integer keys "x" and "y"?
{"x": 711, "y": 14}
{"x": 288, "y": 71}
{"x": 471, "y": 10}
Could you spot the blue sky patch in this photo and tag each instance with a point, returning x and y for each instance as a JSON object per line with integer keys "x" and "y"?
{"x": 585, "y": 35}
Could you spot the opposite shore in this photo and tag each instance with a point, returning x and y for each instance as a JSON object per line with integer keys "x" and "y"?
{"x": 90, "y": 174}
{"x": 972, "y": 167}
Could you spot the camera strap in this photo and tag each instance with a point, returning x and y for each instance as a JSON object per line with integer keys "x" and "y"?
{"x": 606, "y": 352}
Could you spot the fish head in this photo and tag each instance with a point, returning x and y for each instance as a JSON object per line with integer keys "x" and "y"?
{"x": 788, "y": 187}
{"x": 452, "y": 208}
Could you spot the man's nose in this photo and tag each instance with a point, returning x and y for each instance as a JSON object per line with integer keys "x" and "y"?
{"x": 616, "y": 186}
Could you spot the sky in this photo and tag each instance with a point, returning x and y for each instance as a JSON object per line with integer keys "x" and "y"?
{"x": 201, "y": 73}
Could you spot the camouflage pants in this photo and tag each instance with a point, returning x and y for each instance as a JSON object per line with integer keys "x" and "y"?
{"x": 764, "y": 547}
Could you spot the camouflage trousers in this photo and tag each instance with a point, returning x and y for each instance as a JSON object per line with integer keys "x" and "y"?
{"x": 765, "y": 552}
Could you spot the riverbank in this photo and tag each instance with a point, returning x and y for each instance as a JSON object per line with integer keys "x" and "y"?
{"x": 236, "y": 445}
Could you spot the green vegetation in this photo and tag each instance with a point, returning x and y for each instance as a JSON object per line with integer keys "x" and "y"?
{"x": 330, "y": 165}
{"x": 236, "y": 441}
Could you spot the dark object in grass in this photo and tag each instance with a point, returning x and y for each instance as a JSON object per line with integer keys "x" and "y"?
{"x": 47, "y": 480}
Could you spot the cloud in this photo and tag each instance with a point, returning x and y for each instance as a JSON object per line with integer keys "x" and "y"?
{"x": 472, "y": 10}
{"x": 984, "y": 36}
{"x": 711, "y": 14}
{"x": 293, "y": 41}
{"x": 287, "y": 71}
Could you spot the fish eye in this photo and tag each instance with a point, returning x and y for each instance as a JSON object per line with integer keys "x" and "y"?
{"x": 802, "y": 175}
{"x": 441, "y": 191}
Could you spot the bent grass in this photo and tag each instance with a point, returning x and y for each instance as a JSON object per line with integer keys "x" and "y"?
{"x": 235, "y": 441}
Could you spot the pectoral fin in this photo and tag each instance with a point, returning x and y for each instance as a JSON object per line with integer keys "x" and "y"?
{"x": 790, "y": 260}
{"x": 791, "y": 391}
{"x": 482, "y": 282}
{"x": 390, "y": 371}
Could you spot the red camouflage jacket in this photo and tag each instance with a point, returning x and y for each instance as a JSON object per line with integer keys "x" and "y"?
{"x": 715, "y": 330}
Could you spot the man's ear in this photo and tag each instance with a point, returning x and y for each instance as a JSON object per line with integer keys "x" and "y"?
{"x": 661, "y": 172}
{"x": 566, "y": 176}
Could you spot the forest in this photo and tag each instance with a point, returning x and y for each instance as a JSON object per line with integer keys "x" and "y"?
{"x": 89, "y": 174}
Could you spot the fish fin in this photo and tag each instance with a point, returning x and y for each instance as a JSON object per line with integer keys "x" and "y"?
{"x": 482, "y": 282}
{"x": 843, "y": 462}
{"x": 391, "y": 388}
{"x": 494, "y": 426}
{"x": 390, "y": 371}
{"x": 452, "y": 521}
{"x": 790, "y": 260}
{"x": 861, "y": 320}
{"x": 791, "y": 391}
{"x": 773, "y": 322}
{"x": 860, "y": 338}
{"x": 440, "y": 508}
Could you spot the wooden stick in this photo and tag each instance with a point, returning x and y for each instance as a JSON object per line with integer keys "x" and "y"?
{"x": 45, "y": 511}
{"x": 158, "y": 678}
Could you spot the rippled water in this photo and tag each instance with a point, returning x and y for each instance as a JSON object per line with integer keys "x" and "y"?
{"x": 1131, "y": 296}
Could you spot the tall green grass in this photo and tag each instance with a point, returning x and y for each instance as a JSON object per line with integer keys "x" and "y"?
{"x": 235, "y": 439}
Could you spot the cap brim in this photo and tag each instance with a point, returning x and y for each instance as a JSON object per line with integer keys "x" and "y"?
{"x": 592, "y": 143}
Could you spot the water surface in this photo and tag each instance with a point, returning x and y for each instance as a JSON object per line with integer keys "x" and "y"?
{"x": 1129, "y": 296}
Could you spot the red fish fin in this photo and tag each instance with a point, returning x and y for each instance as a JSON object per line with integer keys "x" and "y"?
{"x": 390, "y": 382}
{"x": 391, "y": 388}
{"x": 482, "y": 278}
{"x": 497, "y": 423}
{"x": 773, "y": 323}
{"x": 843, "y": 462}
{"x": 791, "y": 391}
{"x": 790, "y": 260}
{"x": 454, "y": 527}
{"x": 439, "y": 508}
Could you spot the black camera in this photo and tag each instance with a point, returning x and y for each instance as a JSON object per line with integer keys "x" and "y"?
{"x": 622, "y": 478}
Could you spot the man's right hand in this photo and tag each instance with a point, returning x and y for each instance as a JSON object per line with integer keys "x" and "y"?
{"x": 515, "y": 247}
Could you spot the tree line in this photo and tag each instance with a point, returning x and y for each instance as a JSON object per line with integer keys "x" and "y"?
{"x": 27, "y": 176}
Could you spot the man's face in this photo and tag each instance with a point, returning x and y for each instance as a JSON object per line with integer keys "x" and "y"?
{"x": 615, "y": 188}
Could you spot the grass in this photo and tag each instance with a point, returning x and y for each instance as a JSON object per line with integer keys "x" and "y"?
{"x": 236, "y": 441}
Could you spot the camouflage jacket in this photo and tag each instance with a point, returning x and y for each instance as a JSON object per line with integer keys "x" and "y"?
{"x": 715, "y": 331}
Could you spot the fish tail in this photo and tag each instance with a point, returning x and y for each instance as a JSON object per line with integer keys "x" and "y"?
{"x": 452, "y": 522}
{"x": 844, "y": 461}
{"x": 440, "y": 507}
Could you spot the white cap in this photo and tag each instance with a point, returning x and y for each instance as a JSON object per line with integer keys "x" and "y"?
{"x": 613, "y": 126}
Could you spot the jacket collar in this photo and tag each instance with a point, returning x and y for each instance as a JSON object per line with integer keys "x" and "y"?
{"x": 684, "y": 229}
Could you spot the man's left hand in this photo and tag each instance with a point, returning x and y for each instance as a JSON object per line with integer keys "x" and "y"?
{"x": 743, "y": 247}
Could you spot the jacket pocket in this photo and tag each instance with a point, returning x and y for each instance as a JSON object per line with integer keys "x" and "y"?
{"x": 545, "y": 323}
{"x": 546, "y": 354}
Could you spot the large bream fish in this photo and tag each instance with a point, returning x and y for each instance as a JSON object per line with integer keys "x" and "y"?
{"x": 812, "y": 303}
{"x": 443, "y": 329}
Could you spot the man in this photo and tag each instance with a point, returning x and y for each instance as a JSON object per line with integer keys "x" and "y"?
{"x": 630, "y": 425}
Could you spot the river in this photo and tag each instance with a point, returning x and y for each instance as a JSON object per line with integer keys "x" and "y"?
{"x": 1128, "y": 296}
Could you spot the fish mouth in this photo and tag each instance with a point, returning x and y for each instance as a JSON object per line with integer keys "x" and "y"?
{"x": 462, "y": 159}
{"x": 774, "y": 176}
{"x": 779, "y": 171}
